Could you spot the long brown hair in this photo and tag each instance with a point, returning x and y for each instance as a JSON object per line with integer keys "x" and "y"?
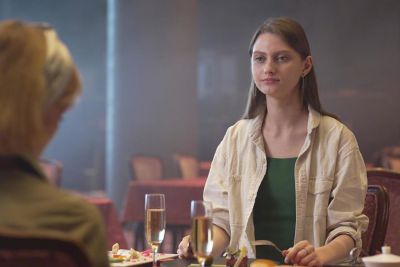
{"x": 293, "y": 34}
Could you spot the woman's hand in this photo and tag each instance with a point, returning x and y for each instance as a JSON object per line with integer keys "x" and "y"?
{"x": 184, "y": 249}
{"x": 303, "y": 253}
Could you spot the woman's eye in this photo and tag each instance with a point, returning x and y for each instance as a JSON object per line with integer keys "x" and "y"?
{"x": 259, "y": 59}
{"x": 282, "y": 58}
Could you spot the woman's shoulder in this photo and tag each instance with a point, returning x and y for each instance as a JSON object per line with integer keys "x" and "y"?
{"x": 239, "y": 131}
{"x": 333, "y": 127}
{"x": 78, "y": 203}
{"x": 242, "y": 126}
{"x": 71, "y": 204}
{"x": 333, "y": 124}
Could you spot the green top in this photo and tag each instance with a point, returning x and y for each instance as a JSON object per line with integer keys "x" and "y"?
{"x": 274, "y": 211}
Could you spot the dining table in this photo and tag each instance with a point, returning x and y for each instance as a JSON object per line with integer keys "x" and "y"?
{"x": 178, "y": 193}
{"x": 219, "y": 262}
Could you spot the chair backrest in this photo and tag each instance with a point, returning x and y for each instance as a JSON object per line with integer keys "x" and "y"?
{"x": 146, "y": 167}
{"x": 390, "y": 158}
{"x": 377, "y": 210}
{"x": 21, "y": 250}
{"x": 188, "y": 166}
{"x": 393, "y": 163}
{"x": 53, "y": 170}
{"x": 391, "y": 180}
{"x": 204, "y": 168}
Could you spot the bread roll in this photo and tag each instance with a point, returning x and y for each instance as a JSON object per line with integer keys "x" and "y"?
{"x": 262, "y": 263}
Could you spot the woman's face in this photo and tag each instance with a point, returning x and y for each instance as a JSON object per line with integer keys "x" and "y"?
{"x": 276, "y": 67}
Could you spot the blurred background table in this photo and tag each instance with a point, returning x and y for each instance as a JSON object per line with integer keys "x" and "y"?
{"x": 178, "y": 195}
{"x": 114, "y": 232}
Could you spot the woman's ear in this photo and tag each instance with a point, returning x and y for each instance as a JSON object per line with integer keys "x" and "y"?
{"x": 308, "y": 63}
{"x": 51, "y": 118}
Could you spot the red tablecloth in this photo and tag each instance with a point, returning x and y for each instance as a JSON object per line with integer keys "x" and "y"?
{"x": 114, "y": 232}
{"x": 178, "y": 194}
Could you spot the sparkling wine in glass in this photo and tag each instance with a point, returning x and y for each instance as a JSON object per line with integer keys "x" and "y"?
{"x": 154, "y": 221}
{"x": 202, "y": 235}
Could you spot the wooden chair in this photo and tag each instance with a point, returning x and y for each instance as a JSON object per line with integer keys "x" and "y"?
{"x": 188, "y": 166}
{"x": 377, "y": 210}
{"x": 21, "y": 250}
{"x": 390, "y": 158}
{"x": 393, "y": 163}
{"x": 205, "y": 167}
{"x": 53, "y": 170}
{"x": 146, "y": 167}
{"x": 391, "y": 181}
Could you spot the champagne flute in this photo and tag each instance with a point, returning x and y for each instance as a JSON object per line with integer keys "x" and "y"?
{"x": 155, "y": 222}
{"x": 202, "y": 234}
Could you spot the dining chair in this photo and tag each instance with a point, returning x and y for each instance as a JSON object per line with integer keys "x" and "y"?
{"x": 393, "y": 163}
{"x": 146, "y": 167}
{"x": 188, "y": 166}
{"x": 204, "y": 168}
{"x": 390, "y": 158}
{"x": 391, "y": 181}
{"x": 377, "y": 210}
{"x": 53, "y": 170}
{"x": 20, "y": 250}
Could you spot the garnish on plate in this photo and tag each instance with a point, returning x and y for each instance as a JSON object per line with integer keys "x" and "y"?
{"x": 116, "y": 258}
{"x": 135, "y": 254}
{"x": 115, "y": 248}
{"x": 236, "y": 258}
{"x": 122, "y": 255}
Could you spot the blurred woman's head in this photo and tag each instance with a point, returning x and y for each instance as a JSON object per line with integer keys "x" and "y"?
{"x": 38, "y": 82}
{"x": 294, "y": 36}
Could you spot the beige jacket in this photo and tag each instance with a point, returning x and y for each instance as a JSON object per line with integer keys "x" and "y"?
{"x": 330, "y": 182}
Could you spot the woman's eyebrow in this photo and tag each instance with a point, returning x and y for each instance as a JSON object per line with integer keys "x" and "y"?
{"x": 274, "y": 53}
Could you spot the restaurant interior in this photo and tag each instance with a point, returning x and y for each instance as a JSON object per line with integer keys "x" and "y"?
{"x": 163, "y": 80}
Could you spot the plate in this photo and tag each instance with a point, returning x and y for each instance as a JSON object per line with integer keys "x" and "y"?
{"x": 146, "y": 258}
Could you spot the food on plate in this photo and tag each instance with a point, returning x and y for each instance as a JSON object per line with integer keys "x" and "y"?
{"x": 115, "y": 248}
{"x": 122, "y": 255}
{"x": 262, "y": 263}
{"x": 116, "y": 258}
{"x": 134, "y": 254}
{"x": 236, "y": 258}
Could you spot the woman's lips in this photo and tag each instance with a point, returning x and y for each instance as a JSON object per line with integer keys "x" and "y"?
{"x": 270, "y": 80}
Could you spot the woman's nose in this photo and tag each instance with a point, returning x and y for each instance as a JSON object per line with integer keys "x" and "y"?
{"x": 269, "y": 67}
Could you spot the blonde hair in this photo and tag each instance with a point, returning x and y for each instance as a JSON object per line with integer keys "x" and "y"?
{"x": 37, "y": 75}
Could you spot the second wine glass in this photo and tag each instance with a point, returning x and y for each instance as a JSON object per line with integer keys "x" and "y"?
{"x": 202, "y": 234}
{"x": 154, "y": 222}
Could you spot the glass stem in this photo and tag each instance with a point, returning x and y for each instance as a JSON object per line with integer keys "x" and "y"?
{"x": 154, "y": 256}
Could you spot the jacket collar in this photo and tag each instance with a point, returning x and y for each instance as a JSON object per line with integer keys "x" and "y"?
{"x": 20, "y": 163}
{"x": 255, "y": 125}
{"x": 255, "y": 130}
{"x": 314, "y": 119}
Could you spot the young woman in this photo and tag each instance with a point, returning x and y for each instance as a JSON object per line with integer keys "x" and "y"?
{"x": 288, "y": 171}
{"x": 38, "y": 83}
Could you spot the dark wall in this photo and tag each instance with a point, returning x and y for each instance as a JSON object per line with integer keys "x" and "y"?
{"x": 181, "y": 75}
{"x": 155, "y": 78}
{"x": 356, "y": 51}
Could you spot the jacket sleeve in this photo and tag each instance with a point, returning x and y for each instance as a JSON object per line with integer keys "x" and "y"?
{"x": 348, "y": 194}
{"x": 216, "y": 188}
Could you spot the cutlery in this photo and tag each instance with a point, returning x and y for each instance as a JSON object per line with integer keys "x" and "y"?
{"x": 266, "y": 243}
